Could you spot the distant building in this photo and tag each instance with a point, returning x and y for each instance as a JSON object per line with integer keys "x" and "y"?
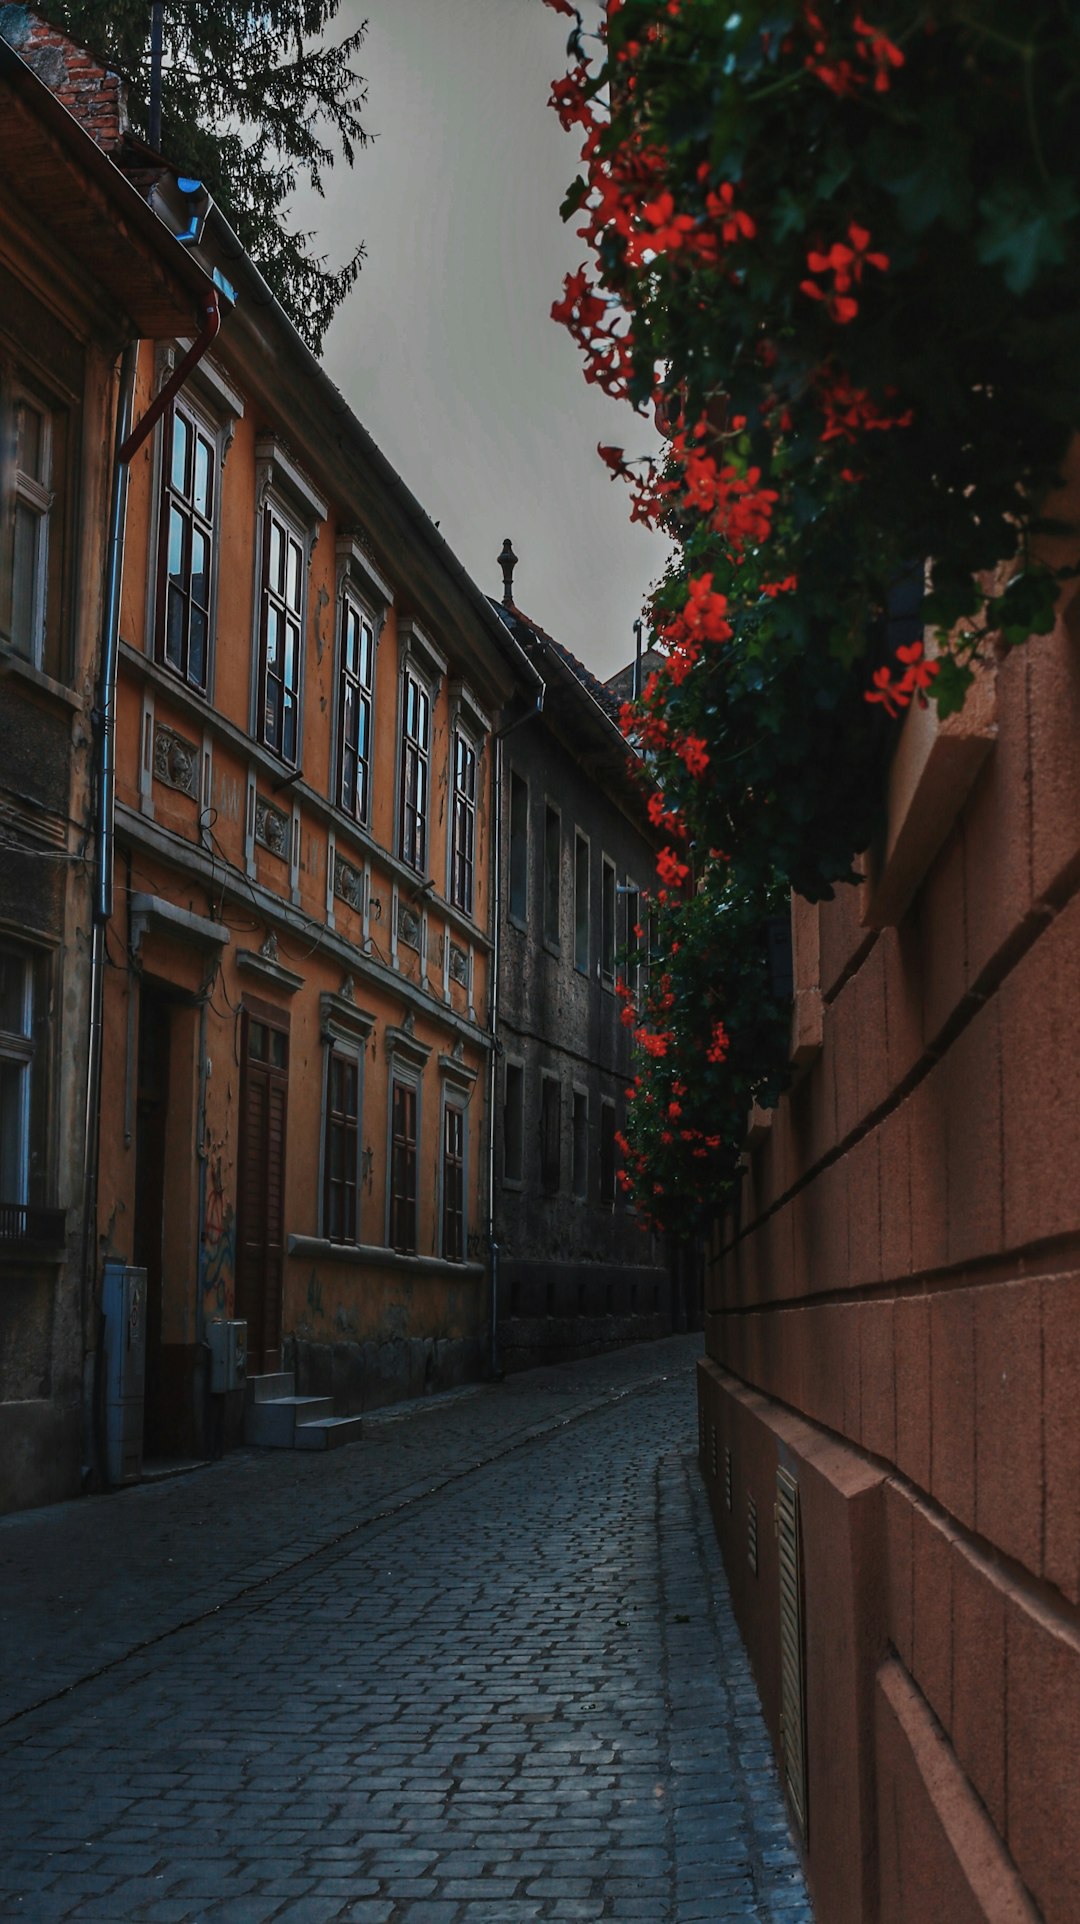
{"x": 576, "y": 1270}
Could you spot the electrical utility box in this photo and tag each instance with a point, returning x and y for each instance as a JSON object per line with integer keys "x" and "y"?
{"x": 124, "y": 1304}
{"x": 228, "y": 1355}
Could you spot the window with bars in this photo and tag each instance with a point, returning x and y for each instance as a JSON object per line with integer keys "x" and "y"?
{"x": 403, "y": 1168}
{"x": 463, "y": 831}
{"x": 356, "y": 671}
{"x": 33, "y": 442}
{"x": 281, "y": 631}
{"x": 415, "y": 770}
{"x": 341, "y": 1148}
{"x": 186, "y": 548}
{"x": 453, "y": 1184}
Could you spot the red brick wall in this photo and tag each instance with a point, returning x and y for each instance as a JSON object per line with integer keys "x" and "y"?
{"x": 96, "y": 96}
{"x": 906, "y": 1279}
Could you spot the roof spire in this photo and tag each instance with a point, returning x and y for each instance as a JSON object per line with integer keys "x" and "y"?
{"x": 508, "y": 562}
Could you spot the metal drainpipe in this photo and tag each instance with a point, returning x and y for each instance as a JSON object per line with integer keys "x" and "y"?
{"x": 498, "y": 737}
{"x": 127, "y": 443}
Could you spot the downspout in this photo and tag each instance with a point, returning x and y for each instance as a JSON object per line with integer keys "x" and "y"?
{"x": 128, "y": 441}
{"x": 498, "y": 737}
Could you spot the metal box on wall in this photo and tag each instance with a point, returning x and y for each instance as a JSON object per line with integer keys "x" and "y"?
{"x": 123, "y": 1301}
{"x": 227, "y": 1343}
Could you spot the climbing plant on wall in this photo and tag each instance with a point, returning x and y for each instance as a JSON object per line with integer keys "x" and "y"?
{"x": 838, "y": 257}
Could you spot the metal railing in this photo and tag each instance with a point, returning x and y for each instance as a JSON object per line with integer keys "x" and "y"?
{"x": 33, "y": 1228}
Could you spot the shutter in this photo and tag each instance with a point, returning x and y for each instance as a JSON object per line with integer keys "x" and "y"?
{"x": 792, "y": 1691}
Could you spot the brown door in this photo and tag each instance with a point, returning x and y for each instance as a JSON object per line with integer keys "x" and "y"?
{"x": 261, "y": 1189}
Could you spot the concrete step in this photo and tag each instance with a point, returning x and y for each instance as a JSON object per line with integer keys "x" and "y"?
{"x": 271, "y": 1422}
{"x": 264, "y": 1389}
{"x": 328, "y": 1432}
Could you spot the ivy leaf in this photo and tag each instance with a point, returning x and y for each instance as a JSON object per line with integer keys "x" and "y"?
{"x": 931, "y": 184}
{"x": 1024, "y": 232}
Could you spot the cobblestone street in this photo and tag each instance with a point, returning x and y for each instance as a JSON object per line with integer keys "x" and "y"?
{"x": 480, "y": 1666}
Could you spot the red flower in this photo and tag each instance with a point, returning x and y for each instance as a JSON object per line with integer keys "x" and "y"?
{"x": 719, "y": 1045}
{"x": 669, "y": 868}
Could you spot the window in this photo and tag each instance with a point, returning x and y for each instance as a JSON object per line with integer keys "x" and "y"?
{"x": 341, "y": 1148}
{"x": 552, "y": 876}
{"x": 415, "y": 770}
{"x": 519, "y": 849}
{"x": 607, "y": 921}
{"x": 632, "y": 900}
{"x": 463, "y": 832}
{"x": 186, "y": 544}
{"x": 33, "y": 454}
{"x": 581, "y": 1144}
{"x": 513, "y": 1122}
{"x": 16, "y": 1060}
{"x": 356, "y": 669}
{"x": 281, "y": 631}
{"x": 581, "y": 902}
{"x": 550, "y": 1133}
{"x": 607, "y": 1152}
{"x": 403, "y": 1167}
{"x": 453, "y": 1184}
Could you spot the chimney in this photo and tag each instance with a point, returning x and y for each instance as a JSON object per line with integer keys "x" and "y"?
{"x": 91, "y": 91}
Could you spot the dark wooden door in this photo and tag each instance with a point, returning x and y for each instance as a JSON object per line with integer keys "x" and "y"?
{"x": 260, "y": 1243}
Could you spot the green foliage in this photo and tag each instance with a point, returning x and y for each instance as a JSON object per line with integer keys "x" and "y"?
{"x": 252, "y": 102}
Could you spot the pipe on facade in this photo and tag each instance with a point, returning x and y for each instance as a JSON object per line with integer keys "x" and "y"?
{"x": 498, "y": 737}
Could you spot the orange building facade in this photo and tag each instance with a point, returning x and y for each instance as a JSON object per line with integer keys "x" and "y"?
{"x": 888, "y": 1407}
{"x": 298, "y": 1035}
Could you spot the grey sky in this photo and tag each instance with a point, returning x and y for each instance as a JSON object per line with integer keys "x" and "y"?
{"x": 446, "y": 349}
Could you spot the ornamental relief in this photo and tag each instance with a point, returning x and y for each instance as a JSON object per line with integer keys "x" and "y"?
{"x": 176, "y": 762}
{"x": 271, "y": 827}
{"x": 408, "y": 927}
{"x": 459, "y": 965}
{"x": 348, "y": 883}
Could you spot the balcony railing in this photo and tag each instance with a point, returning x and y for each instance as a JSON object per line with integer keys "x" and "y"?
{"x": 30, "y": 1228}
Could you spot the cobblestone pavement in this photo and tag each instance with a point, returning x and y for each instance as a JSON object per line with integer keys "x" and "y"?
{"x": 478, "y": 1669}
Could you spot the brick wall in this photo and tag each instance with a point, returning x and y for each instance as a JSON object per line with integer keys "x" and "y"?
{"x": 88, "y": 88}
{"x": 905, "y": 1281}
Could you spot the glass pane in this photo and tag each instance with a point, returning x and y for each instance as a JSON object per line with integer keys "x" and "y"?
{"x": 30, "y": 442}
{"x": 277, "y": 556}
{"x": 204, "y": 477}
{"x": 349, "y": 716}
{"x": 273, "y": 625}
{"x": 12, "y": 1131}
{"x": 292, "y": 655}
{"x": 24, "y": 586}
{"x": 257, "y": 1040}
{"x": 278, "y": 1048}
{"x": 174, "y": 628}
{"x": 424, "y": 709}
{"x": 363, "y": 724}
{"x": 366, "y": 645}
{"x": 176, "y": 544}
{"x": 288, "y": 739}
{"x": 351, "y": 664}
{"x": 293, "y": 591}
{"x": 348, "y": 782}
{"x": 197, "y": 647}
{"x": 181, "y": 452}
{"x": 14, "y": 1011}
{"x": 200, "y": 568}
{"x": 272, "y": 717}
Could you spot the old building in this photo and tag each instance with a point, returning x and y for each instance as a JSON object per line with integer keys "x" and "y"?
{"x": 888, "y": 1407}
{"x": 576, "y": 1271}
{"x": 86, "y": 269}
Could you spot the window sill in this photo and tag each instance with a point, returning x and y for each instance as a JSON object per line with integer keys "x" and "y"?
{"x": 23, "y": 670}
{"x": 372, "y": 1256}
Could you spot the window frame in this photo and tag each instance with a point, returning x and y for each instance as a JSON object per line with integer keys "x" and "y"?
{"x": 456, "y": 1106}
{"x": 408, "y": 1083}
{"x": 275, "y": 510}
{"x": 609, "y": 939}
{"x": 201, "y": 426}
{"x": 516, "y": 1065}
{"x": 463, "y": 810}
{"x": 517, "y": 851}
{"x": 353, "y": 603}
{"x": 579, "y": 1191}
{"x": 18, "y": 1051}
{"x": 550, "y": 1169}
{"x": 631, "y": 945}
{"x": 608, "y": 1181}
{"x": 352, "y": 1056}
{"x": 48, "y": 648}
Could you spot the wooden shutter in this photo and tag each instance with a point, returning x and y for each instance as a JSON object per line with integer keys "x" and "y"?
{"x": 792, "y": 1689}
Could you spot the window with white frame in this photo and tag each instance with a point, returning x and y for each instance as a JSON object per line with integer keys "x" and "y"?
{"x": 633, "y": 940}
{"x": 453, "y": 1182}
{"x": 463, "y": 826}
{"x": 16, "y": 1065}
{"x": 186, "y": 532}
{"x": 356, "y": 676}
{"x": 415, "y": 770}
{"x": 32, "y": 461}
{"x": 281, "y": 627}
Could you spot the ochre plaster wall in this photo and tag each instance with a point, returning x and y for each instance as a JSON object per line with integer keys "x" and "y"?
{"x": 903, "y": 1292}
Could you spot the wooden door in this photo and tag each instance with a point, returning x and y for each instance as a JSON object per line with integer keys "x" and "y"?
{"x": 260, "y": 1242}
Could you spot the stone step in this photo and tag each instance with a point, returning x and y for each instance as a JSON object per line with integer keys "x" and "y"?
{"x": 270, "y": 1388}
{"x": 328, "y": 1433}
{"x": 271, "y": 1422}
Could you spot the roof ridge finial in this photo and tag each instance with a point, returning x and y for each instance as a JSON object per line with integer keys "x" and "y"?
{"x": 508, "y": 562}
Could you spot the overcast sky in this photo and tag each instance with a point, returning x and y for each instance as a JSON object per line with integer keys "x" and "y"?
{"x": 445, "y": 349}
